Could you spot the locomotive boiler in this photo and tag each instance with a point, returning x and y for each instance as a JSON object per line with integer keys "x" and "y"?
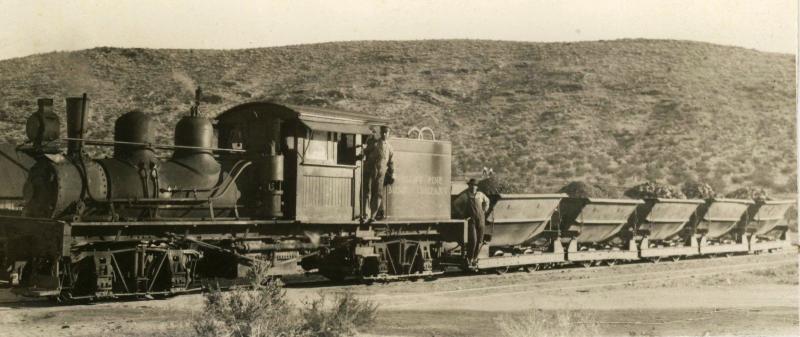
{"x": 134, "y": 183}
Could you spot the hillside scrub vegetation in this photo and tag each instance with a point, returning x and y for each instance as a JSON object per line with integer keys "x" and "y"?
{"x": 608, "y": 112}
{"x": 262, "y": 310}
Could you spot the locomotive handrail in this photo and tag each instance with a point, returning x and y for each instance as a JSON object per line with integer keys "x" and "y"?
{"x": 412, "y": 130}
{"x": 155, "y": 146}
{"x": 422, "y": 133}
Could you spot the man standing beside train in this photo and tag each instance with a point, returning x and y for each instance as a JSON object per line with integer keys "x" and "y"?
{"x": 472, "y": 204}
{"x": 378, "y": 170}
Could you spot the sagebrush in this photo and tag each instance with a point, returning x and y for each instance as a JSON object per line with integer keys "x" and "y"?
{"x": 262, "y": 310}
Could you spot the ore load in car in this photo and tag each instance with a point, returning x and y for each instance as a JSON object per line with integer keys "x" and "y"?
{"x": 598, "y": 229}
{"x": 767, "y": 225}
{"x": 663, "y": 226}
{"x": 719, "y": 226}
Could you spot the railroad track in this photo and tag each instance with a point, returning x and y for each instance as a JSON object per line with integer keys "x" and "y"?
{"x": 578, "y": 278}
{"x": 561, "y": 278}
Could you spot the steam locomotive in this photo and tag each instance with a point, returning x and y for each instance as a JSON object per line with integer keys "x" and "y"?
{"x": 281, "y": 186}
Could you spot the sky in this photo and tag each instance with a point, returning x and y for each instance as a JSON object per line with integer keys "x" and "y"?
{"x": 30, "y": 27}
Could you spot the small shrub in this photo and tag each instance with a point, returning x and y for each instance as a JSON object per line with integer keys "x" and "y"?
{"x": 262, "y": 310}
{"x": 340, "y": 319}
{"x": 537, "y": 323}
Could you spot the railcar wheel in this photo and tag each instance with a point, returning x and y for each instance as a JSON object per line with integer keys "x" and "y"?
{"x": 587, "y": 264}
{"x": 501, "y": 270}
{"x": 611, "y": 263}
{"x": 728, "y": 254}
{"x": 531, "y": 268}
{"x": 676, "y": 258}
{"x": 64, "y": 297}
{"x": 656, "y": 259}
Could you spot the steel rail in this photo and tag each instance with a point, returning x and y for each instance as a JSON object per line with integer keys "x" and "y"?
{"x": 533, "y": 279}
{"x": 626, "y": 279}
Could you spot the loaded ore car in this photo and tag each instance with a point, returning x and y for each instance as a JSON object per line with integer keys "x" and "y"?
{"x": 520, "y": 233}
{"x": 598, "y": 230}
{"x": 664, "y": 228}
{"x": 720, "y": 226}
{"x": 766, "y": 225}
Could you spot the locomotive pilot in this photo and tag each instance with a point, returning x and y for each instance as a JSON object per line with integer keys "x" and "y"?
{"x": 472, "y": 204}
{"x": 378, "y": 172}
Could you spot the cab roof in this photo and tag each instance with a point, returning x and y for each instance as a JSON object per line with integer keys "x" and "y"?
{"x": 315, "y": 118}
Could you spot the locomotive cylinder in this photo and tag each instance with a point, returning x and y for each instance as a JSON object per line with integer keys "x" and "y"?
{"x": 77, "y": 115}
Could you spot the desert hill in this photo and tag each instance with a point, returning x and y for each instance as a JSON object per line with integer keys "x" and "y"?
{"x": 610, "y": 112}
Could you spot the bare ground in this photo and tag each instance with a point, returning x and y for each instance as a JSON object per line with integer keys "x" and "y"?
{"x": 747, "y": 295}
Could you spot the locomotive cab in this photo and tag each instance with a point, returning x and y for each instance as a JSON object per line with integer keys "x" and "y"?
{"x": 305, "y": 159}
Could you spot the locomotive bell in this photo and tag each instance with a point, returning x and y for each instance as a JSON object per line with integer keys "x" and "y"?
{"x": 43, "y": 125}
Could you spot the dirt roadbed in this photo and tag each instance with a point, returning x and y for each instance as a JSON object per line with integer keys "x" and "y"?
{"x": 745, "y": 295}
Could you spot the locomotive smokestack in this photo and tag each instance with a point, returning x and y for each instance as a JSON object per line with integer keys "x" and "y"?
{"x": 77, "y": 115}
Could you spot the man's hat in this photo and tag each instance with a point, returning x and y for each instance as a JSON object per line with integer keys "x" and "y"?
{"x": 384, "y": 128}
{"x": 472, "y": 182}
